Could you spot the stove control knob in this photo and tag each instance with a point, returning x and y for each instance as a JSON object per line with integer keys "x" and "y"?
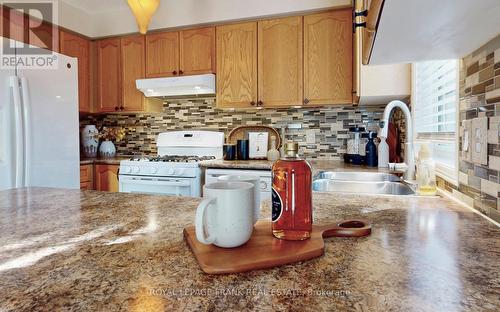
{"x": 153, "y": 170}
{"x": 179, "y": 171}
{"x": 170, "y": 171}
{"x": 137, "y": 169}
{"x": 127, "y": 169}
{"x": 263, "y": 185}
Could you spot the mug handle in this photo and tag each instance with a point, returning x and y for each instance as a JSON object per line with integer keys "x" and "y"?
{"x": 200, "y": 222}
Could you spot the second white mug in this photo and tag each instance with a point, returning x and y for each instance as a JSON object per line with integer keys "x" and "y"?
{"x": 255, "y": 180}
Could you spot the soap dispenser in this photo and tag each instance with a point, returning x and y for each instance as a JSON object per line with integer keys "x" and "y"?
{"x": 371, "y": 150}
{"x": 426, "y": 174}
{"x": 383, "y": 153}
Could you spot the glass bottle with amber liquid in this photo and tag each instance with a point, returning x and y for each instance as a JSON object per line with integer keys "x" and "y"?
{"x": 291, "y": 196}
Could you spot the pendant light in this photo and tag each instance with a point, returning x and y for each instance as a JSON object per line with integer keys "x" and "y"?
{"x": 143, "y": 11}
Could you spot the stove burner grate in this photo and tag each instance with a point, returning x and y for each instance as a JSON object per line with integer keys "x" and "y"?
{"x": 175, "y": 158}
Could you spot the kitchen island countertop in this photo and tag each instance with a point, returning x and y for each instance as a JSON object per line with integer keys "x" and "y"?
{"x": 87, "y": 250}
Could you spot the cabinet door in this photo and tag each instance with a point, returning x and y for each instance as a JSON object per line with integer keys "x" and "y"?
{"x": 106, "y": 178}
{"x": 162, "y": 54}
{"x": 76, "y": 46}
{"x": 280, "y": 61}
{"x": 133, "y": 68}
{"x": 43, "y": 34}
{"x": 237, "y": 65}
{"x": 108, "y": 75}
{"x": 328, "y": 58}
{"x": 86, "y": 173}
{"x": 197, "y": 51}
{"x": 12, "y": 24}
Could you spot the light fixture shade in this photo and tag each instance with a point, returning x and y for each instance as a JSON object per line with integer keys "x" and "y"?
{"x": 143, "y": 11}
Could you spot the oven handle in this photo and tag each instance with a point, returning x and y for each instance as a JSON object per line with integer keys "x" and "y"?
{"x": 155, "y": 181}
{"x": 216, "y": 175}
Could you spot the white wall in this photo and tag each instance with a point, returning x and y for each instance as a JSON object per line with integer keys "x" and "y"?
{"x": 175, "y": 13}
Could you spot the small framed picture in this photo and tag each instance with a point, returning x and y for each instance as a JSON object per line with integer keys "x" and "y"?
{"x": 258, "y": 144}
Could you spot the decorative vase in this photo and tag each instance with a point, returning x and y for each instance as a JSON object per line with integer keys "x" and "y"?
{"x": 90, "y": 141}
{"x": 107, "y": 149}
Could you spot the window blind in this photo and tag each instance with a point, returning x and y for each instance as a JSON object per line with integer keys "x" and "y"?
{"x": 435, "y": 100}
{"x": 434, "y": 109}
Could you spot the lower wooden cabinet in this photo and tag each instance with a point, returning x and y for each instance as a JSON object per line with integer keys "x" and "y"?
{"x": 106, "y": 177}
{"x": 87, "y": 177}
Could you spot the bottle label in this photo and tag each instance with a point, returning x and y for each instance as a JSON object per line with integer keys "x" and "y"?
{"x": 277, "y": 205}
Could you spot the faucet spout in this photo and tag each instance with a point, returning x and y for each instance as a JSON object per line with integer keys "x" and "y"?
{"x": 384, "y": 125}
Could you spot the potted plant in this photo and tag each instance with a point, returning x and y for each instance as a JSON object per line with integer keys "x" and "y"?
{"x": 108, "y": 135}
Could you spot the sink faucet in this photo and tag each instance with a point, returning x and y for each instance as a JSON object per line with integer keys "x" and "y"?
{"x": 384, "y": 125}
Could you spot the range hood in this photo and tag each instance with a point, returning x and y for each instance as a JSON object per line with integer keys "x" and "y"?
{"x": 177, "y": 86}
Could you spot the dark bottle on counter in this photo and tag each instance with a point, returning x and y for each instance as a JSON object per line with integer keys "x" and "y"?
{"x": 292, "y": 196}
{"x": 371, "y": 158}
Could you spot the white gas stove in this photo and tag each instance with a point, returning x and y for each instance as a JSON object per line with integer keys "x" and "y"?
{"x": 176, "y": 170}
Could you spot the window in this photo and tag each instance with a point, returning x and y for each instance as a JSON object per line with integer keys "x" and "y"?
{"x": 435, "y": 109}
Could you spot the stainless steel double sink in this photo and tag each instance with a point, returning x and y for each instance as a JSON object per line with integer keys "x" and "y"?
{"x": 360, "y": 183}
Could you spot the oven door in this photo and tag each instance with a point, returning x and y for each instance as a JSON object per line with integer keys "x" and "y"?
{"x": 156, "y": 185}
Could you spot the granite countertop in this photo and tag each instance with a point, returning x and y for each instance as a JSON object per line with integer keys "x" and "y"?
{"x": 85, "y": 250}
{"x": 317, "y": 165}
{"x": 108, "y": 161}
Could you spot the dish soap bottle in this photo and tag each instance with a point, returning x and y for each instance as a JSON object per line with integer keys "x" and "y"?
{"x": 426, "y": 175}
{"x": 292, "y": 196}
{"x": 273, "y": 154}
{"x": 383, "y": 153}
{"x": 371, "y": 150}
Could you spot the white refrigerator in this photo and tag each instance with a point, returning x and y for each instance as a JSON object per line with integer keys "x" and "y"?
{"x": 39, "y": 130}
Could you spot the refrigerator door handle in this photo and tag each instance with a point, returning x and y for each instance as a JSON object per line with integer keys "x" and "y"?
{"x": 27, "y": 130}
{"x": 18, "y": 115}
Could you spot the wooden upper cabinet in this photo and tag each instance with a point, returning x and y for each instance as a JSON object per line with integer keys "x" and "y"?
{"x": 43, "y": 34}
{"x": 280, "y": 61}
{"x": 237, "y": 65}
{"x": 76, "y": 46}
{"x": 162, "y": 54}
{"x": 20, "y": 27}
{"x": 197, "y": 51}
{"x": 328, "y": 58}
{"x": 109, "y": 75}
{"x": 12, "y": 24}
{"x": 132, "y": 68}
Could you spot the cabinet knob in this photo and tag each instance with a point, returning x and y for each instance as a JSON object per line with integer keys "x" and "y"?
{"x": 252, "y": 103}
{"x": 174, "y": 72}
{"x": 181, "y": 72}
{"x": 116, "y": 108}
{"x": 259, "y": 103}
{"x": 306, "y": 101}
{"x": 122, "y": 108}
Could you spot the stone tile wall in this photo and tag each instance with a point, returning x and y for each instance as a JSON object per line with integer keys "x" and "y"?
{"x": 480, "y": 97}
{"x": 330, "y": 124}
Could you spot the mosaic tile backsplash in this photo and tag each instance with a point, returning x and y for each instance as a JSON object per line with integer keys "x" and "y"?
{"x": 330, "y": 124}
{"x": 480, "y": 101}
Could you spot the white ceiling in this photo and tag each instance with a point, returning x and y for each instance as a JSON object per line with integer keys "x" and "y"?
{"x": 101, "y": 18}
{"x": 98, "y": 6}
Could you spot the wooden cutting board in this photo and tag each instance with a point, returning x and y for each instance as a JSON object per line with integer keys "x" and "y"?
{"x": 263, "y": 250}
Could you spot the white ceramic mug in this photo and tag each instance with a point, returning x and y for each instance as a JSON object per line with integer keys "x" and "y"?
{"x": 225, "y": 217}
{"x": 255, "y": 180}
